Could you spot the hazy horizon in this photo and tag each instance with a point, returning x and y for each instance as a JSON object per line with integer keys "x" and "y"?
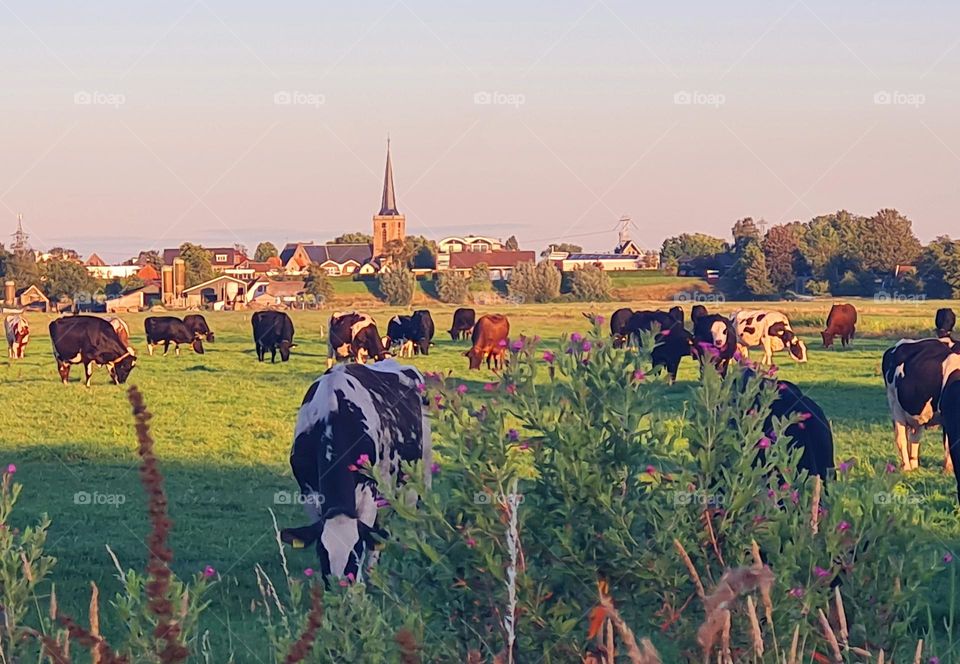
{"x": 131, "y": 128}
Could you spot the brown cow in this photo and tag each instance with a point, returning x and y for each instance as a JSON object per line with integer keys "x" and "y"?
{"x": 489, "y": 341}
{"x": 841, "y": 322}
{"x": 123, "y": 331}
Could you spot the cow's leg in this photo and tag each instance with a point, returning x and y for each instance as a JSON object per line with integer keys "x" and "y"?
{"x": 63, "y": 368}
{"x": 329, "y": 361}
{"x": 947, "y": 458}
{"x": 900, "y": 439}
{"x": 913, "y": 436}
{"x": 88, "y": 372}
{"x": 273, "y": 355}
{"x": 767, "y": 351}
{"x": 362, "y": 355}
{"x": 176, "y": 349}
{"x": 166, "y": 346}
{"x": 149, "y": 347}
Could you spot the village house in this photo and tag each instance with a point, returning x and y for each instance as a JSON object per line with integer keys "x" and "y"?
{"x": 627, "y": 255}
{"x": 222, "y": 259}
{"x": 29, "y": 297}
{"x": 99, "y": 269}
{"x": 499, "y": 263}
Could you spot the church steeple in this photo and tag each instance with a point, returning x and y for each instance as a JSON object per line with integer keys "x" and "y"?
{"x": 20, "y": 237}
{"x": 388, "y": 205}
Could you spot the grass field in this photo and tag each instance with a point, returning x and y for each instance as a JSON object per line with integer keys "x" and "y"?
{"x": 223, "y": 425}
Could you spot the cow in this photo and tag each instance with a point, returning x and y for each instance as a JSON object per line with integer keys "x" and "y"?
{"x": 18, "y": 335}
{"x": 353, "y": 336}
{"x": 915, "y": 372}
{"x": 770, "y": 330}
{"x": 197, "y": 324}
{"x": 677, "y": 313}
{"x": 90, "y": 341}
{"x": 697, "y": 311}
{"x": 123, "y": 331}
{"x": 490, "y": 339}
{"x": 715, "y": 340}
{"x": 421, "y": 331}
{"x": 841, "y": 322}
{"x": 352, "y": 414}
{"x": 950, "y": 410}
{"x": 398, "y": 330}
{"x": 272, "y": 331}
{"x": 463, "y": 322}
{"x": 673, "y": 342}
{"x": 618, "y": 326}
{"x": 944, "y": 322}
{"x": 167, "y": 330}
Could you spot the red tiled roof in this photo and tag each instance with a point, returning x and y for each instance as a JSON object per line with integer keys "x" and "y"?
{"x": 493, "y": 259}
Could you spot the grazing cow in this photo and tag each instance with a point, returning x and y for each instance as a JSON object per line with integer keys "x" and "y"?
{"x": 673, "y": 342}
{"x": 167, "y": 330}
{"x": 715, "y": 340}
{"x": 272, "y": 331}
{"x": 90, "y": 341}
{"x": 463, "y": 322}
{"x": 944, "y": 322}
{"x": 619, "y": 321}
{"x": 352, "y": 414}
{"x": 677, "y": 313}
{"x": 354, "y": 336}
{"x": 812, "y": 434}
{"x": 18, "y": 335}
{"x": 769, "y": 329}
{"x": 697, "y": 311}
{"x": 197, "y": 324}
{"x": 123, "y": 331}
{"x": 914, "y": 374}
{"x": 490, "y": 340}
{"x": 841, "y": 322}
{"x": 421, "y": 331}
{"x": 398, "y": 331}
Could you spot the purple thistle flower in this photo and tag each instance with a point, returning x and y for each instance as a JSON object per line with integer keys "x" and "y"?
{"x": 421, "y": 388}
{"x": 489, "y": 387}
{"x": 434, "y": 468}
{"x": 576, "y": 337}
{"x": 516, "y": 346}
{"x": 891, "y": 468}
{"x": 548, "y": 356}
{"x": 764, "y": 443}
{"x": 843, "y": 526}
{"x": 638, "y": 375}
{"x": 513, "y": 435}
{"x": 308, "y": 571}
{"x": 209, "y": 572}
{"x": 461, "y": 389}
{"x": 948, "y": 558}
{"x": 820, "y": 572}
{"x": 796, "y": 592}
{"x": 587, "y": 346}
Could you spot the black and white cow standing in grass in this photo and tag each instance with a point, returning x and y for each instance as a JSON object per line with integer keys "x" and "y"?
{"x": 921, "y": 380}
{"x": 353, "y": 336}
{"x": 352, "y": 414}
{"x": 769, "y": 329}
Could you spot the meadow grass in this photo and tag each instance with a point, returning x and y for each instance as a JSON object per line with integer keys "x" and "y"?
{"x": 223, "y": 424}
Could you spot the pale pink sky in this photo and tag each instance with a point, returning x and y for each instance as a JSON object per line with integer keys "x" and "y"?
{"x": 183, "y": 139}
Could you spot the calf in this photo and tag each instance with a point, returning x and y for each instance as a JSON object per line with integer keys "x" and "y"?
{"x": 90, "y": 341}
{"x": 197, "y": 324}
{"x": 914, "y": 374}
{"x": 18, "y": 335}
{"x": 673, "y": 342}
{"x": 272, "y": 331}
{"x": 841, "y": 322}
{"x": 490, "y": 340}
{"x": 769, "y": 329}
{"x": 352, "y": 414}
{"x": 944, "y": 322}
{"x": 463, "y": 322}
{"x": 167, "y": 330}
{"x": 715, "y": 340}
{"x": 619, "y": 321}
{"x": 353, "y": 336}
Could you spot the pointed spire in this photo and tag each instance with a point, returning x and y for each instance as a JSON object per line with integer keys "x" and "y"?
{"x": 388, "y": 206}
{"x": 20, "y": 237}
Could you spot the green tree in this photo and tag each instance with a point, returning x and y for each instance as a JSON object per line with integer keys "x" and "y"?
{"x": 939, "y": 268}
{"x": 480, "y": 278}
{"x": 264, "y": 251}
{"x": 453, "y": 287}
{"x": 535, "y": 282}
{"x": 744, "y": 231}
{"x": 397, "y": 253}
{"x": 590, "y": 284}
{"x": 756, "y": 279}
{"x": 396, "y": 286}
{"x": 885, "y": 241}
{"x": 691, "y": 245}
{"x": 317, "y": 284}
{"x": 512, "y": 244}
{"x": 561, "y": 246}
{"x": 132, "y": 283}
{"x": 422, "y": 252}
{"x": 150, "y": 257}
{"x": 197, "y": 262}
{"x": 67, "y": 279}
{"x": 113, "y": 289}
{"x": 781, "y": 249}
{"x": 22, "y": 268}
{"x": 352, "y": 238}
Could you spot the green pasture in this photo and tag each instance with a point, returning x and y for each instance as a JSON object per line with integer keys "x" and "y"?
{"x": 223, "y": 425}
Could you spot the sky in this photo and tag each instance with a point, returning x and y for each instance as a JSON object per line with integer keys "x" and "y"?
{"x": 128, "y": 127}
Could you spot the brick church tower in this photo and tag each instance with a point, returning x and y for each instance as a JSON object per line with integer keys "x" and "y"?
{"x": 388, "y": 224}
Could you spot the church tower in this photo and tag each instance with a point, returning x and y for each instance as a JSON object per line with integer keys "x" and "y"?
{"x": 388, "y": 224}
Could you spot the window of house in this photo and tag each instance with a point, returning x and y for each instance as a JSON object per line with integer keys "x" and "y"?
{"x": 220, "y": 258}
{"x": 481, "y": 247}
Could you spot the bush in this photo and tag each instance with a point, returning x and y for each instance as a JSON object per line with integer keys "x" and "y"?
{"x": 453, "y": 287}
{"x": 589, "y": 284}
{"x": 396, "y": 286}
{"x": 480, "y": 278}
{"x": 317, "y": 284}
{"x": 815, "y": 287}
{"x": 534, "y": 282}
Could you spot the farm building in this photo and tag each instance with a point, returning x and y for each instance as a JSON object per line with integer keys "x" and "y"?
{"x": 272, "y": 293}
{"x": 481, "y": 243}
{"x": 222, "y": 292}
{"x": 222, "y": 259}
{"x": 500, "y": 263}
{"x": 99, "y": 269}
{"x": 136, "y": 300}
{"x": 336, "y": 259}
{"x": 30, "y": 297}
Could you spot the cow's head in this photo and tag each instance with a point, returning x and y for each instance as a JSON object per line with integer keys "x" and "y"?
{"x": 454, "y": 334}
{"x": 476, "y": 357}
{"x": 791, "y": 341}
{"x": 341, "y": 542}
{"x": 120, "y": 368}
{"x": 284, "y": 348}
{"x": 827, "y": 338}
{"x": 209, "y": 336}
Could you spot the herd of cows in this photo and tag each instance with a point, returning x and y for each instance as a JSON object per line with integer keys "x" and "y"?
{"x": 359, "y": 412}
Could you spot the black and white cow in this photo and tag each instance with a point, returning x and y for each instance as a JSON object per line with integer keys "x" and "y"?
{"x": 673, "y": 342}
{"x": 697, "y": 311}
{"x": 272, "y": 331}
{"x": 769, "y": 329}
{"x": 197, "y": 324}
{"x": 398, "y": 330}
{"x": 812, "y": 434}
{"x": 352, "y": 414}
{"x": 90, "y": 341}
{"x": 619, "y": 321}
{"x": 167, "y": 330}
{"x": 914, "y": 374}
{"x": 353, "y": 336}
{"x": 715, "y": 340}
{"x": 945, "y": 321}
{"x": 18, "y": 335}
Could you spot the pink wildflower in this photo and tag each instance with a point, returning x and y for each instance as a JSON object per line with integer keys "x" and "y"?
{"x": 461, "y": 389}
{"x": 11, "y": 469}
{"x": 820, "y": 572}
{"x": 209, "y": 571}
{"x": 308, "y": 571}
{"x": 548, "y": 356}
